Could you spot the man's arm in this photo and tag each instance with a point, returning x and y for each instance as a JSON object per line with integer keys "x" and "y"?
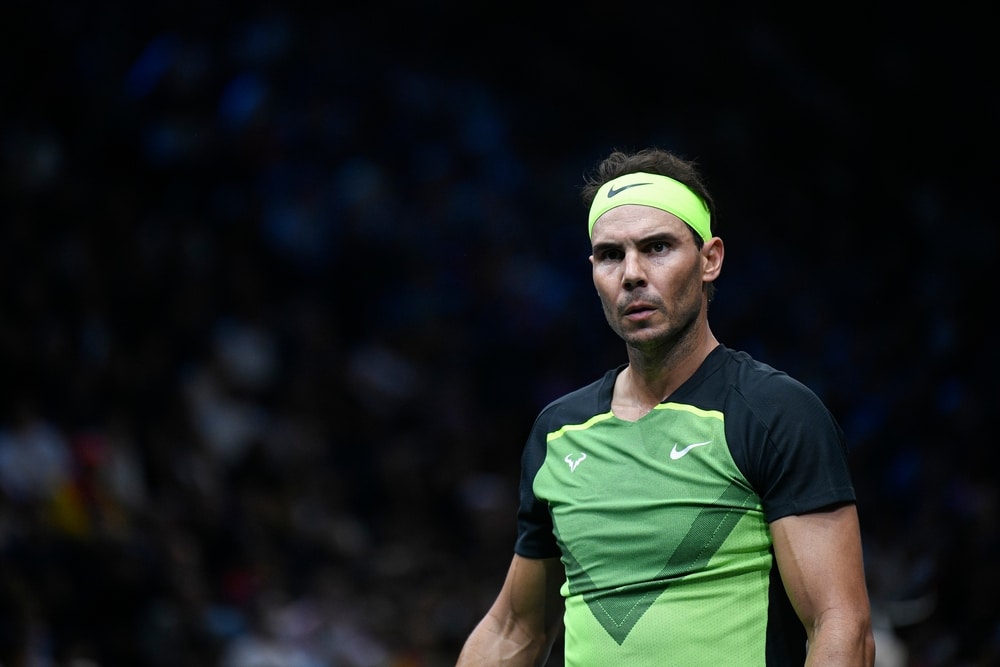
{"x": 524, "y": 621}
{"x": 820, "y": 561}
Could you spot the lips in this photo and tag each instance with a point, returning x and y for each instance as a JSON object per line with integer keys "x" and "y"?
{"x": 638, "y": 307}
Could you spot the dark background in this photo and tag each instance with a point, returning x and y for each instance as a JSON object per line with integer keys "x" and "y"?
{"x": 283, "y": 289}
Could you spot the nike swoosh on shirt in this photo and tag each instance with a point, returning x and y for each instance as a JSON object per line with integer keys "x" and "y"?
{"x": 612, "y": 192}
{"x": 677, "y": 453}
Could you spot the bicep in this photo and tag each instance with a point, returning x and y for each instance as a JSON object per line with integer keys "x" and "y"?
{"x": 524, "y": 620}
{"x": 530, "y": 595}
{"x": 820, "y": 560}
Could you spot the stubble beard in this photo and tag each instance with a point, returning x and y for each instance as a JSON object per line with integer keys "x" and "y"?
{"x": 660, "y": 339}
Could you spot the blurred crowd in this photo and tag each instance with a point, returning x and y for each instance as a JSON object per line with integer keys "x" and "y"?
{"x": 281, "y": 297}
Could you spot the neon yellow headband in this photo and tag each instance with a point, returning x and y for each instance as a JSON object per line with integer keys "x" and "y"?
{"x": 656, "y": 191}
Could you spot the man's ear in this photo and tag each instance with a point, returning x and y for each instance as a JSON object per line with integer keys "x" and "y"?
{"x": 713, "y": 252}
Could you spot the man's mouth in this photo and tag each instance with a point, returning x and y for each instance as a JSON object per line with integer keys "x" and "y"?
{"x": 636, "y": 310}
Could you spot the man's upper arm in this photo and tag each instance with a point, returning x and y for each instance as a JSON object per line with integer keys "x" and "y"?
{"x": 525, "y": 618}
{"x": 820, "y": 560}
{"x": 532, "y": 588}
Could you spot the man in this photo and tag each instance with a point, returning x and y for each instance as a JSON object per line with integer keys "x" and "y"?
{"x": 693, "y": 506}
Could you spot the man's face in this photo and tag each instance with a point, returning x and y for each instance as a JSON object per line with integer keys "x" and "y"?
{"x": 648, "y": 272}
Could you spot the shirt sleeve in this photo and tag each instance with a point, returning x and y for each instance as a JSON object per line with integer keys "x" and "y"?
{"x": 789, "y": 446}
{"x": 535, "y": 538}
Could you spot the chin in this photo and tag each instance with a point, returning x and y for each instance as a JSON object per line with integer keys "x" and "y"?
{"x": 640, "y": 337}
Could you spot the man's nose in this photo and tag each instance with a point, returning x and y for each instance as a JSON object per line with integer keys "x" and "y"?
{"x": 633, "y": 271}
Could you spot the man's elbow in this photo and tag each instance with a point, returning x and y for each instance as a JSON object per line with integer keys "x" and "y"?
{"x": 842, "y": 639}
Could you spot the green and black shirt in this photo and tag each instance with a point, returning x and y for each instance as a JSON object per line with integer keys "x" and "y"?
{"x": 662, "y": 523}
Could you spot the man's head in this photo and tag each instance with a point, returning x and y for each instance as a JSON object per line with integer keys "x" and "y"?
{"x": 677, "y": 187}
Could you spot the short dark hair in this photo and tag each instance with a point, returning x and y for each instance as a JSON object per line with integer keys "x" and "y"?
{"x": 650, "y": 161}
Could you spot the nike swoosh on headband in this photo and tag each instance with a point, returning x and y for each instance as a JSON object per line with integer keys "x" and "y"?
{"x": 612, "y": 192}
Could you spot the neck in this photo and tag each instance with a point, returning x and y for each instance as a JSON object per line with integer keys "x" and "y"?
{"x": 654, "y": 374}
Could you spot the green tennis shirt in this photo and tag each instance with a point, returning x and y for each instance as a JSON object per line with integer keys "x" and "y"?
{"x": 662, "y": 523}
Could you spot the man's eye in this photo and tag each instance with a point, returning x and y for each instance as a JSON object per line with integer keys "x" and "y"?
{"x": 658, "y": 247}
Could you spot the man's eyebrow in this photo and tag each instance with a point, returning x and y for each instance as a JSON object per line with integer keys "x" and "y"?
{"x": 669, "y": 237}
{"x": 655, "y": 237}
{"x": 605, "y": 245}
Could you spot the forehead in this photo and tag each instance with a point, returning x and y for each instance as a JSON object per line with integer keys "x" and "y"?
{"x": 634, "y": 221}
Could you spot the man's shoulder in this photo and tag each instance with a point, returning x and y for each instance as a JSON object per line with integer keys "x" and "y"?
{"x": 584, "y": 402}
{"x": 760, "y": 383}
